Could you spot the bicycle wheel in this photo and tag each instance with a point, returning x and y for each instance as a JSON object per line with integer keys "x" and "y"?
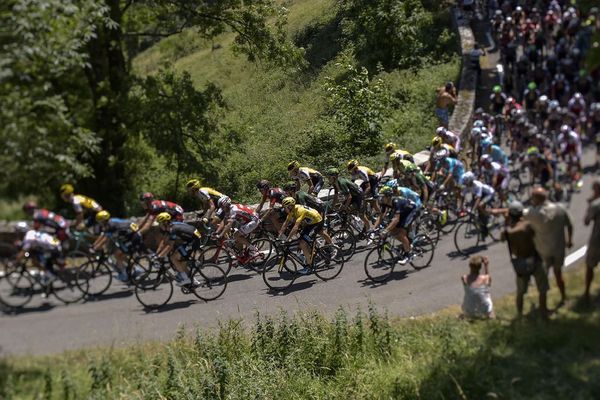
{"x": 346, "y": 241}
{"x": 154, "y": 288}
{"x": 69, "y": 287}
{"x": 96, "y": 274}
{"x": 16, "y": 289}
{"x": 216, "y": 255}
{"x": 428, "y": 226}
{"x": 451, "y": 221}
{"x": 265, "y": 249}
{"x": 423, "y": 248}
{"x": 466, "y": 237}
{"x": 380, "y": 263}
{"x": 212, "y": 281}
{"x": 329, "y": 262}
{"x": 280, "y": 272}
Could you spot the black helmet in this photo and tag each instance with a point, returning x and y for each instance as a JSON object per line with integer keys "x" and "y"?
{"x": 263, "y": 184}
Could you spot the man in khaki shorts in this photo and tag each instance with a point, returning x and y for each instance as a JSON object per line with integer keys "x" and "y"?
{"x": 550, "y": 222}
{"x": 592, "y": 257}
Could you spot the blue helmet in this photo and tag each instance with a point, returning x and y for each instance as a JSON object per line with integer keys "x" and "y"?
{"x": 485, "y": 143}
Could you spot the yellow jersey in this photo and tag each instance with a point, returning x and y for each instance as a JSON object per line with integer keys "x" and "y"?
{"x": 304, "y": 215}
{"x": 83, "y": 203}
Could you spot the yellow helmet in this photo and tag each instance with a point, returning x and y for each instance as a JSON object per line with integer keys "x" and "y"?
{"x": 395, "y": 155}
{"x": 102, "y": 216}
{"x": 352, "y": 164}
{"x": 163, "y": 217}
{"x": 293, "y": 165}
{"x": 436, "y": 141}
{"x": 288, "y": 201}
{"x": 193, "y": 184}
{"x": 390, "y": 147}
{"x": 67, "y": 188}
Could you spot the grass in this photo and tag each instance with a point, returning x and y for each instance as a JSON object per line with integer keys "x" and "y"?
{"x": 364, "y": 355}
{"x": 273, "y": 110}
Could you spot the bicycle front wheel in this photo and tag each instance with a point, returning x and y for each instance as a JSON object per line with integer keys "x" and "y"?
{"x": 346, "y": 241}
{"x": 466, "y": 237}
{"x": 265, "y": 250}
{"x": 216, "y": 255}
{"x": 212, "y": 282}
{"x": 280, "y": 273}
{"x": 329, "y": 262}
{"x": 379, "y": 264}
{"x": 423, "y": 248}
{"x": 97, "y": 276}
{"x": 154, "y": 288}
{"x": 428, "y": 226}
{"x": 16, "y": 289}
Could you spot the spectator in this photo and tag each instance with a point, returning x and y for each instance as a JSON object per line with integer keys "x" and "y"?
{"x": 592, "y": 257}
{"x": 446, "y": 96}
{"x": 549, "y": 222}
{"x": 477, "y": 302}
{"x": 526, "y": 261}
{"x": 475, "y": 56}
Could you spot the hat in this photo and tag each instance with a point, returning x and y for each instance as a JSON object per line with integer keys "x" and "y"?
{"x": 515, "y": 208}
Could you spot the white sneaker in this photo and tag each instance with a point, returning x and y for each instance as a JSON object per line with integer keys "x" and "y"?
{"x": 183, "y": 282}
{"x": 304, "y": 271}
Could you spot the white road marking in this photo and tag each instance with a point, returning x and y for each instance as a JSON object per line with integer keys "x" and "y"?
{"x": 576, "y": 255}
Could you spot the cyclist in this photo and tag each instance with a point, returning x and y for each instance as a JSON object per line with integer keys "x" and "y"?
{"x": 482, "y": 195}
{"x": 312, "y": 224}
{"x": 313, "y": 178}
{"x": 413, "y": 176}
{"x": 454, "y": 170}
{"x": 275, "y": 215}
{"x": 497, "y": 100}
{"x": 179, "y": 241}
{"x": 571, "y": 151}
{"x": 290, "y": 189}
{"x": 352, "y": 192}
{"x": 449, "y": 137}
{"x": 154, "y": 207}
{"x": 403, "y": 213}
{"x": 496, "y": 175}
{"x": 495, "y": 151}
{"x": 405, "y": 192}
{"x": 540, "y": 167}
{"x": 45, "y": 249}
{"x": 245, "y": 219}
{"x": 123, "y": 234}
{"x": 44, "y": 218}
{"x": 370, "y": 181}
{"x": 85, "y": 207}
{"x": 208, "y": 197}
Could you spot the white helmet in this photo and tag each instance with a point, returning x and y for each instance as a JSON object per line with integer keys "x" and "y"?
{"x": 224, "y": 201}
{"x": 486, "y": 158}
{"x": 440, "y": 131}
{"x": 468, "y": 178}
{"x": 478, "y": 124}
{"x": 565, "y": 128}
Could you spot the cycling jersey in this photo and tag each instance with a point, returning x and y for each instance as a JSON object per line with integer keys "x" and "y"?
{"x": 498, "y": 101}
{"x": 498, "y": 154}
{"x": 409, "y": 166}
{"x": 410, "y": 195}
{"x": 117, "y": 227}
{"x": 406, "y": 209}
{"x": 83, "y": 203}
{"x": 570, "y": 144}
{"x": 159, "y": 206}
{"x": 304, "y": 215}
{"x": 496, "y": 170}
{"x": 49, "y": 219}
{"x": 205, "y": 194}
{"x": 347, "y": 187}
{"x": 309, "y": 200}
{"x": 40, "y": 241}
{"x": 307, "y": 174}
{"x": 180, "y": 231}
{"x": 363, "y": 173}
{"x": 276, "y": 196}
{"x": 241, "y": 213}
{"x": 479, "y": 190}
{"x": 455, "y": 168}
{"x": 398, "y": 155}
{"x": 452, "y": 139}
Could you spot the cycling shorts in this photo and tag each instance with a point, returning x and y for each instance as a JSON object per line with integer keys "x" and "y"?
{"x": 374, "y": 183}
{"x": 485, "y": 200}
{"x": 407, "y": 218}
{"x": 318, "y": 183}
{"x": 309, "y": 232}
{"x": 188, "y": 247}
{"x": 248, "y": 227}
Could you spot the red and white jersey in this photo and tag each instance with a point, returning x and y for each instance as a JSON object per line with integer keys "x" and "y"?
{"x": 241, "y": 213}
{"x": 40, "y": 241}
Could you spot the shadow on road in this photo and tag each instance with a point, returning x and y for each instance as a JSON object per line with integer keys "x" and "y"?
{"x": 294, "y": 288}
{"x": 395, "y": 276}
{"x": 27, "y": 310}
{"x": 171, "y": 306}
{"x": 238, "y": 278}
{"x": 110, "y": 296}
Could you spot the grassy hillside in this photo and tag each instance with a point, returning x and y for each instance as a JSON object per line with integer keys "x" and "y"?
{"x": 274, "y": 110}
{"x": 351, "y": 356}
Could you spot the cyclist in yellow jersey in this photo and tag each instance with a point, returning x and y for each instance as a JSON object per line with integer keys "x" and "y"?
{"x": 85, "y": 207}
{"x": 393, "y": 153}
{"x": 313, "y": 178}
{"x": 209, "y": 197}
{"x": 312, "y": 224}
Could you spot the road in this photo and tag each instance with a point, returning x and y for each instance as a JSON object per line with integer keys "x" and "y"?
{"x": 117, "y": 319}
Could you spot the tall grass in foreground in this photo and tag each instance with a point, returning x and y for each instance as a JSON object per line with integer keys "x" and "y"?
{"x": 362, "y": 355}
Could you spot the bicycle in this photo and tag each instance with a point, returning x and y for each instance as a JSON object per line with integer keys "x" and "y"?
{"x": 154, "y": 288}
{"x": 225, "y": 252}
{"x": 469, "y": 233}
{"x": 20, "y": 283}
{"x": 380, "y": 262}
{"x": 281, "y": 270}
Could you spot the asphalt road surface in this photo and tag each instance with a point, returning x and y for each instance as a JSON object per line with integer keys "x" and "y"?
{"x": 118, "y": 319}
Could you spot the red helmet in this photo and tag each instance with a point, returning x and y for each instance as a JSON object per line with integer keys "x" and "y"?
{"x": 29, "y": 206}
{"x": 147, "y": 196}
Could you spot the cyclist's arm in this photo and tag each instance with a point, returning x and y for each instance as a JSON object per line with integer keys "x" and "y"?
{"x": 211, "y": 209}
{"x": 79, "y": 219}
{"x": 295, "y": 228}
{"x": 262, "y": 203}
{"x": 284, "y": 226}
{"x": 100, "y": 242}
{"x": 146, "y": 223}
{"x": 164, "y": 247}
{"x": 393, "y": 223}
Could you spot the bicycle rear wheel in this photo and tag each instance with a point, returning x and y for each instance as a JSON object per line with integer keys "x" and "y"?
{"x": 346, "y": 241}
{"x": 428, "y": 226}
{"x": 69, "y": 287}
{"x": 216, "y": 255}
{"x": 423, "y": 248}
{"x": 212, "y": 281}
{"x": 380, "y": 263}
{"x": 466, "y": 237}
{"x": 329, "y": 262}
{"x": 279, "y": 273}
{"x": 96, "y": 274}
{"x": 16, "y": 289}
{"x": 265, "y": 249}
{"x": 154, "y": 288}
